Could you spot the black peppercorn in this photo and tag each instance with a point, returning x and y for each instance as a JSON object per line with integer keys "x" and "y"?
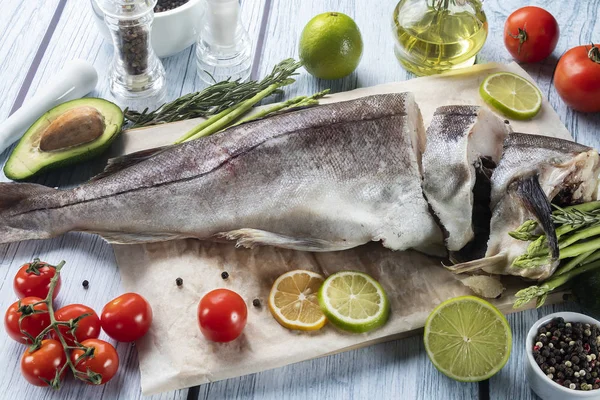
{"x": 166, "y": 5}
{"x": 179, "y": 282}
{"x": 568, "y": 354}
{"x": 256, "y": 303}
{"x": 85, "y": 284}
{"x": 224, "y": 275}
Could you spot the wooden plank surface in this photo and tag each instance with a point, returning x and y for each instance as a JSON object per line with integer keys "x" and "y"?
{"x": 19, "y": 42}
{"x": 398, "y": 369}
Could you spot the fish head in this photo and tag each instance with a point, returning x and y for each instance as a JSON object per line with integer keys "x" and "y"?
{"x": 534, "y": 171}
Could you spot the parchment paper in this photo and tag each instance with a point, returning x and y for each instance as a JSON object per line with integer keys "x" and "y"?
{"x": 174, "y": 354}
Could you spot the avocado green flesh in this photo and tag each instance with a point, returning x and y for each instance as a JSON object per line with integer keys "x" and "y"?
{"x": 28, "y": 160}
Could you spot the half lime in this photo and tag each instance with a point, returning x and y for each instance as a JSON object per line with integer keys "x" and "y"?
{"x": 467, "y": 339}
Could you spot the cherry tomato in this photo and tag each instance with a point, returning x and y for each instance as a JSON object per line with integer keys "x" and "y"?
{"x": 87, "y": 327}
{"x": 43, "y": 363}
{"x": 33, "y": 279}
{"x": 530, "y": 34}
{"x": 33, "y": 324}
{"x": 104, "y": 360}
{"x": 222, "y": 315}
{"x": 126, "y": 318}
{"x": 577, "y": 78}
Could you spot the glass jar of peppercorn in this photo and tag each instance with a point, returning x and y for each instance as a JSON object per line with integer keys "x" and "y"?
{"x": 136, "y": 72}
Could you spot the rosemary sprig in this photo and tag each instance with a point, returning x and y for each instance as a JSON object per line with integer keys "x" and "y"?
{"x": 214, "y": 99}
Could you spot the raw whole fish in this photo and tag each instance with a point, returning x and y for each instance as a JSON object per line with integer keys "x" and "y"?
{"x": 321, "y": 179}
{"x": 458, "y": 138}
{"x": 533, "y": 171}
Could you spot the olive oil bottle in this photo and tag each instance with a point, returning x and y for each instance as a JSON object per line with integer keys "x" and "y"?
{"x": 433, "y": 36}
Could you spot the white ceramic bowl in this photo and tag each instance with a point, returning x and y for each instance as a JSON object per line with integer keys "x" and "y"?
{"x": 172, "y": 31}
{"x": 538, "y": 381}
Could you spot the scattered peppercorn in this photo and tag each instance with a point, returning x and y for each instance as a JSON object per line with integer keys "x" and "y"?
{"x": 85, "y": 284}
{"x": 179, "y": 282}
{"x": 256, "y": 303}
{"x": 224, "y": 275}
{"x": 567, "y": 352}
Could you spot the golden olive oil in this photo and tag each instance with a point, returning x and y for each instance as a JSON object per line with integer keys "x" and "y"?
{"x": 436, "y": 36}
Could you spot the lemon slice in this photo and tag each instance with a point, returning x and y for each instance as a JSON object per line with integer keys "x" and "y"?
{"x": 512, "y": 95}
{"x": 467, "y": 339}
{"x": 354, "y": 301}
{"x": 293, "y": 300}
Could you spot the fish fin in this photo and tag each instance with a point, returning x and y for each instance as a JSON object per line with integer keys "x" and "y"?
{"x": 12, "y": 193}
{"x": 138, "y": 238}
{"x": 499, "y": 260}
{"x": 251, "y": 238}
{"x": 536, "y": 201}
{"x": 117, "y": 164}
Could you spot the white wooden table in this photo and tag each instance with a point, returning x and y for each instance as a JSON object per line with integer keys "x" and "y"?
{"x": 38, "y": 36}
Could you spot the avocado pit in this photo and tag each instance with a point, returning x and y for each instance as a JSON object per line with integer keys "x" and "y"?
{"x": 75, "y": 127}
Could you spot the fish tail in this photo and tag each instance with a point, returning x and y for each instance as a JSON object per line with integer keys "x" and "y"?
{"x": 536, "y": 201}
{"x": 15, "y": 224}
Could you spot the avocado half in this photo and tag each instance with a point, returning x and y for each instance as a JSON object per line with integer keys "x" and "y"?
{"x": 71, "y": 132}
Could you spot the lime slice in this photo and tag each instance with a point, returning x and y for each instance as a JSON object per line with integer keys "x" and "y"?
{"x": 512, "y": 95}
{"x": 467, "y": 339}
{"x": 353, "y": 301}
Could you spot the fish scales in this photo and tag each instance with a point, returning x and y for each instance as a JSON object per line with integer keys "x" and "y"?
{"x": 457, "y": 139}
{"x": 326, "y": 178}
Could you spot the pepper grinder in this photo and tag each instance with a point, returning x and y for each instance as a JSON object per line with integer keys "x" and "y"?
{"x": 224, "y": 49}
{"x": 135, "y": 73}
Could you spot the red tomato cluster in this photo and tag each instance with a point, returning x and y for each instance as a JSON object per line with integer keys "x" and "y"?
{"x": 125, "y": 319}
{"x": 531, "y": 35}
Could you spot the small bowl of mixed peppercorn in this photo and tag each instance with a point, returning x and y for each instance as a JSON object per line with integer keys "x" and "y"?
{"x": 176, "y": 25}
{"x": 563, "y": 357}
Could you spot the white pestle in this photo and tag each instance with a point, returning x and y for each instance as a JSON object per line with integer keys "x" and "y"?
{"x": 75, "y": 80}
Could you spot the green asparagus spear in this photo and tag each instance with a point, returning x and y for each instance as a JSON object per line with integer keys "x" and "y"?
{"x": 296, "y": 102}
{"x": 203, "y": 129}
{"x": 573, "y": 263}
{"x": 524, "y": 296}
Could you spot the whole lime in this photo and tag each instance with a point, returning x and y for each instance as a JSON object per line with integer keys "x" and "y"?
{"x": 330, "y": 45}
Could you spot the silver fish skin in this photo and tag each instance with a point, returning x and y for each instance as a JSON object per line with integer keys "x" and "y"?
{"x": 326, "y": 178}
{"x": 457, "y": 139}
{"x": 559, "y": 168}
